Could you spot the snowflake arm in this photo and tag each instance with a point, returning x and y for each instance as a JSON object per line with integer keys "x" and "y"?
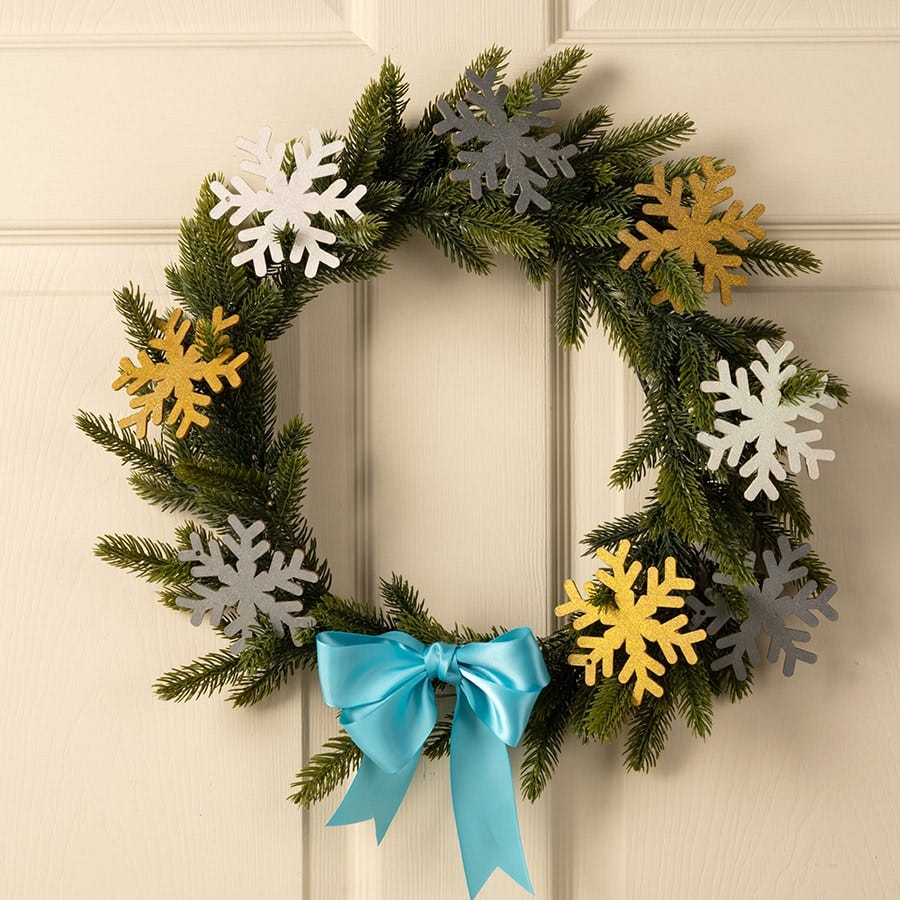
{"x": 601, "y": 650}
{"x": 713, "y": 616}
{"x": 506, "y": 141}
{"x": 175, "y": 375}
{"x": 245, "y": 591}
{"x": 767, "y": 422}
{"x": 289, "y": 202}
{"x": 741, "y": 644}
{"x": 585, "y": 612}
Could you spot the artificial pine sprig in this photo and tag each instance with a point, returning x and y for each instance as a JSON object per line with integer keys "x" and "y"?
{"x": 243, "y": 464}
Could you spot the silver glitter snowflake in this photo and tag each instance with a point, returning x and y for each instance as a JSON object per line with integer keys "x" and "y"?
{"x": 243, "y": 591}
{"x": 506, "y": 141}
{"x": 289, "y": 201}
{"x": 767, "y": 423}
{"x": 769, "y": 604}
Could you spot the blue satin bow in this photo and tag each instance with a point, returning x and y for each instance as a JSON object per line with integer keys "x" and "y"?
{"x": 383, "y": 685}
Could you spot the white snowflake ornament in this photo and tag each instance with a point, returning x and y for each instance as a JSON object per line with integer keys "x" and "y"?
{"x": 767, "y": 423}
{"x": 288, "y": 201}
{"x": 244, "y": 592}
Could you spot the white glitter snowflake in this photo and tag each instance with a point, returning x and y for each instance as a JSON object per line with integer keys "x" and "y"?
{"x": 506, "y": 141}
{"x": 769, "y": 606}
{"x": 289, "y": 202}
{"x": 767, "y": 423}
{"x": 243, "y": 591}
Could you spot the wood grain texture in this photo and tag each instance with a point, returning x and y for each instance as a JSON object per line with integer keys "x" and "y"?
{"x": 731, "y": 21}
{"x": 162, "y": 142}
{"x": 129, "y": 22}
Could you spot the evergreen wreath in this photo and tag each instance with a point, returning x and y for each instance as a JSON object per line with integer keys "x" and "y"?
{"x": 568, "y": 210}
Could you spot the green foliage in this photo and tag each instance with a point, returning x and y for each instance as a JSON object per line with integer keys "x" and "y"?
{"x": 325, "y": 771}
{"x": 204, "y": 676}
{"x": 647, "y": 731}
{"x": 138, "y": 318}
{"x": 243, "y": 463}
{"x": 679, "y": 279}
{"x": 634, "y": 145}
{"x": 775, "y": 258}
{"x": 555, "y": 76}
{"x": 146, "y": 456}
{"x": 153, "y": 561}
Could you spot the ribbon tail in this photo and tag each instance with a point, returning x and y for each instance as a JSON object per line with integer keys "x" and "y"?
{"x": 375, "y": 794}
{"x": 484, "y": 802}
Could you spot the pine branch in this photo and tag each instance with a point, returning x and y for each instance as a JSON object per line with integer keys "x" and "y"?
{"x": 641, "y": 455}
{"x": 164, "y": 491}
{"x": 587, "y": 127}
{"x": 577, "y": 226}
{"x": 553, "y": 711}
{"x": 288, "y": 489}
{"x": 369, "y": 124}
{"x": 632, "y": 145}
{"x": 693, "y": 697}
{"x": 138, "y": 318}
{"x": 269, "y": 662}
{"x": 500, "y": 230}
{"x": 153, "y": 561}
{"x": 680, "y": 281}
{"x": 648, "y": 731}
{"x": 202, "y": 677}
{"x": 555, "y": 75}
{"x": 609, "y": 535}
{"x": 143, "y": 454}
{"x": 337, "y": 614}
{"x": 409, "y": 614}
{"x": 293, "y": 437}
{"x": 574, "y": 303}
{"x": 609, "y": 707}
{"x": 204, "y": 276}
{"x": 679, "y": 490}
{"x": 326, "y": 771}
{"x": 774, "y": 258}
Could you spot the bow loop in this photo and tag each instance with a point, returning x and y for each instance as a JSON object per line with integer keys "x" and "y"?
{"x": 502, "y": 680}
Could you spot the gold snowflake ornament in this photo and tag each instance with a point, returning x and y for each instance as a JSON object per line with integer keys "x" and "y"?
{"x": 631, "y": 622}
{"x": 693, "y": 232}
{"x": 176, "y": 375}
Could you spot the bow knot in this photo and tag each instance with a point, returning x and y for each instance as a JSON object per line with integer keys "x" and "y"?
{"x": 383, "y": 686}
{"x": 440, "y": 662}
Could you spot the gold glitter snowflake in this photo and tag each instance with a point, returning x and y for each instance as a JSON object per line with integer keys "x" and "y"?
{"x": 693, "y": 232}
{"x": 176, "y": 375}
{"x": 631, "y": 622}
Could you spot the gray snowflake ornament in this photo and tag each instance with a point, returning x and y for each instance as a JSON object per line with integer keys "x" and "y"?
{"x": 505, "y": 142}
{"x": 770, "y": 604}
{"x": 244, "y": 591}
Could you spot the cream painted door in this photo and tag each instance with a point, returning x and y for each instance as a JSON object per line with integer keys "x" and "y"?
{"x": 454, "y": 445}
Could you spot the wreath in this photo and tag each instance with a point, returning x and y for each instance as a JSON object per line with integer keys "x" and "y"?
{"x": 717, "y": 559}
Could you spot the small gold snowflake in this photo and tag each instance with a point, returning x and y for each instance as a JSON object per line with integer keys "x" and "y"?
{"x": 631, "y": 622}
{"x": 176, "y": 375}
{"x": 694, "y": 233}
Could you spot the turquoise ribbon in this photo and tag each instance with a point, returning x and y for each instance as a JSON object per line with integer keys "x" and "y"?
{"x": 383, "y": 685}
